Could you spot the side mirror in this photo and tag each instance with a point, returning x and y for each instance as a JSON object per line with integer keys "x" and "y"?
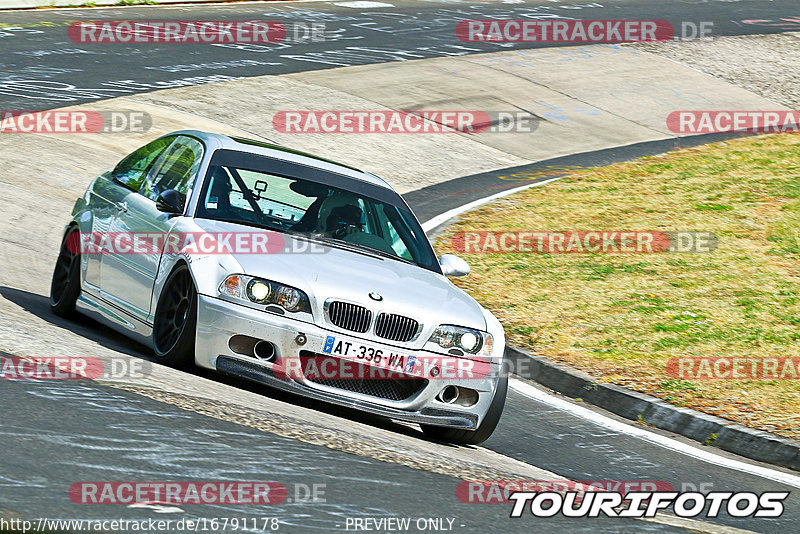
{"x": 170, "y": 201}
{"x": 453, "y": 265}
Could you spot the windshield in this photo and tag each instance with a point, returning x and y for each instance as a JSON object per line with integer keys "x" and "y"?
{"x": 247, "y": 190}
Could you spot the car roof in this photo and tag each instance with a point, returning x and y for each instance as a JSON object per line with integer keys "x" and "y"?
{"x": 273, "y": 150}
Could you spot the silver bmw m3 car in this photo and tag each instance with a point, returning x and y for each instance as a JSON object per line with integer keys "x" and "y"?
{"x": 286, "y": 269}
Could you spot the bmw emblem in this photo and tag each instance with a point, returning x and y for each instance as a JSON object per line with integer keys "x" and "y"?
{"x": 375, "y": 296}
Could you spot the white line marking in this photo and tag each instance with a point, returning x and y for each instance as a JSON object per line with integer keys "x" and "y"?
{"x": 157, "y": 507}
{"x": 656, "y": 439}
{"x": 362, "y": 4}
{"x": 432, "y": 224}
{"x": 182, "y": 6}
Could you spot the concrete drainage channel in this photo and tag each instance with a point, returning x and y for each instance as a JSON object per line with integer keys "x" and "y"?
{"x": 738, "y": 439}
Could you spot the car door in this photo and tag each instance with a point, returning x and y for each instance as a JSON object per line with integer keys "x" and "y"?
{"x": 128, "y": 278}
{"x": 107, "y": 196}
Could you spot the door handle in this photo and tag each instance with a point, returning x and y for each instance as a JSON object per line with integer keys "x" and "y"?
{"x": 122, "y": 206}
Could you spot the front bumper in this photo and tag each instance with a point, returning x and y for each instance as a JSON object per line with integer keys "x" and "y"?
{"x": 219, "y": 320}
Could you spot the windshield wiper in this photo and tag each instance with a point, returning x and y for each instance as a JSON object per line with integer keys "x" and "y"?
{"x": 332, "y": 241}
{"x": 362, "y": 248}
{"x": 263, "y": 227}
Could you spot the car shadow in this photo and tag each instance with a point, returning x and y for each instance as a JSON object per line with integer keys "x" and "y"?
{"x": 88, "y": 328}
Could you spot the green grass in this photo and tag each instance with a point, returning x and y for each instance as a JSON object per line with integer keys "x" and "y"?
{"x": 621, "y": 317}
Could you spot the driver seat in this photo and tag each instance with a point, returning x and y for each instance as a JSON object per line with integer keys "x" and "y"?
{"x": 338, "y": 200}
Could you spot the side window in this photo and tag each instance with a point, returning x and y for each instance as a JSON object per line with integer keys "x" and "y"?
{"x": 131, "y": 171}
{"x": 174, "y": 169}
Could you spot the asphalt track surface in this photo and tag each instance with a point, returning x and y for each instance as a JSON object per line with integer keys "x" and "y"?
{"x": 43, "y": 69}
{"x": 52, "y": 435}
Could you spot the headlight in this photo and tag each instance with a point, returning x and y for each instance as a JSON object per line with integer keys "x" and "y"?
{"x": 260, "y": 291}
{"x": 289, "y": 297}
{"x": 467, "y": 339}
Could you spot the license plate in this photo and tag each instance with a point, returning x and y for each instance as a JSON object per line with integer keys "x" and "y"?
{"x": 377, "y": 357}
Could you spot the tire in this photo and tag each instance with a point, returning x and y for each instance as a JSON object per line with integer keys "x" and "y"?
{"x": 65, "y": 287}
{"x": 175, "y": 323}
{"x": 480, "y": 434}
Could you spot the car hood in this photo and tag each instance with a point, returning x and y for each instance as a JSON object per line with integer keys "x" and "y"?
{"x": 326, "y": 272}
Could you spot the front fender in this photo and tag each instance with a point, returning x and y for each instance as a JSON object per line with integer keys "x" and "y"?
{"x": 207, "y": 270}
